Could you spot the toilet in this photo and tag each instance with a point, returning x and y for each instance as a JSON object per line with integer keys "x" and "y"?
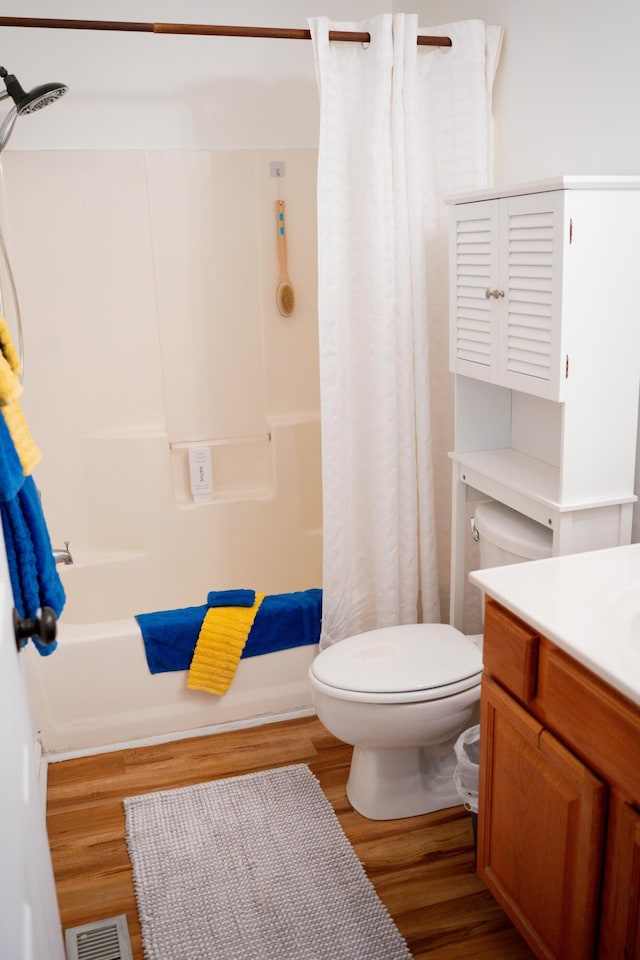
{"x": 508, "y": 537}
{"x": 401, "y": 696}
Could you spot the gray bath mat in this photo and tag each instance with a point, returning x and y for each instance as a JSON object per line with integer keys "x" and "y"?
{"x": 255, "y": 867}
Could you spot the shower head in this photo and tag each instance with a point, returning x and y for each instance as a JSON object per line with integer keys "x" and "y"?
{"x": 29, "y": 102}
{"x": 25, "y": 101}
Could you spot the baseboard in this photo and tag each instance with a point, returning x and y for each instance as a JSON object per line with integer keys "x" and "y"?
{"x": 180, "y": 735}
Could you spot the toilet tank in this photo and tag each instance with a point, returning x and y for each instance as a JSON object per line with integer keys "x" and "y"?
{"x": 506, "y": 536}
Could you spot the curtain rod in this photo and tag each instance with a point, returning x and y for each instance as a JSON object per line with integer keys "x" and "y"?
{"x": 201, "y": 29}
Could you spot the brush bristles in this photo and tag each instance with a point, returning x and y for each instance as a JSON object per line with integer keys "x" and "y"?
{"x": 286, "y": 299}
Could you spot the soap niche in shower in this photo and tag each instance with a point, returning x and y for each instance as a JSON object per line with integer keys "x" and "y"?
{"x": 241, "y": 469}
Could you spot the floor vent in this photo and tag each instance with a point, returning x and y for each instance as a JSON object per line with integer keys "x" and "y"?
{"x": 101, "y": 940}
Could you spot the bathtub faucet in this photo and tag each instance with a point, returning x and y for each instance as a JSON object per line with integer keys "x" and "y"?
{"x": 63, "y": 556}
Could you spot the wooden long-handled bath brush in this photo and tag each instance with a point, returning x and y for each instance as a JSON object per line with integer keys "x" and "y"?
{"x": 285, "y": 297}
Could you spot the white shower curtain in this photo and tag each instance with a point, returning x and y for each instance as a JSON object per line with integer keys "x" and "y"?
{"x": 400, "y": 127}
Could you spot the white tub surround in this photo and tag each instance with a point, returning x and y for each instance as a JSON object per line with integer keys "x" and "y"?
{"x": 588, "y": 604}
{"x": 204, "y": 361}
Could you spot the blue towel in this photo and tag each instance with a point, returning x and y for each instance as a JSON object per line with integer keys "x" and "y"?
{"x": 11, "y": 475}
{"x": 283, "y": 620}
{"x": 170, "y": 637}
{"x": 231, "y": 598}
{"x": 35, "y": 581}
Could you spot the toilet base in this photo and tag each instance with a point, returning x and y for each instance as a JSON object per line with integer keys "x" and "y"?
{"x": 390, "y": 784}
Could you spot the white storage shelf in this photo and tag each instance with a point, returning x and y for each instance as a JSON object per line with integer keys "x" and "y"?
{"x": 545, "y": 345}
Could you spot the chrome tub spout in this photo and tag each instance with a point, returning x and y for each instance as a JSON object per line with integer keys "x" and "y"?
{"x": 63, "y": 556}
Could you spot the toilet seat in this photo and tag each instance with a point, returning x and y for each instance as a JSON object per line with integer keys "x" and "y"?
{"x": 406, "y": 664}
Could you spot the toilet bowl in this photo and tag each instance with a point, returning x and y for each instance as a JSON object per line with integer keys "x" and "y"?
{"x": 401, "y": 696}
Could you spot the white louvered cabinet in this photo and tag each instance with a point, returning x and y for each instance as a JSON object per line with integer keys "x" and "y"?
{"x": 507, "y": 291}
{"x": 545, "y": 346}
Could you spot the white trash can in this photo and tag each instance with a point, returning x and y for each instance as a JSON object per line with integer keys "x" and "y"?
{"x": 467, "y": 773}
{"x": 467, "y": 769}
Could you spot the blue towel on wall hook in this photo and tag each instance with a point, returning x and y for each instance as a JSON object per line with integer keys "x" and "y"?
{"x": 35, "y": 581}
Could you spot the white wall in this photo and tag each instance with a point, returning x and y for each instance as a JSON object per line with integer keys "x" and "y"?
{"x": 566, "y": 95}
{"x": 140, "y": 90}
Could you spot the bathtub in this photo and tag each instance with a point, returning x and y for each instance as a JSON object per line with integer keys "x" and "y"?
{"x": 95, "y": 691}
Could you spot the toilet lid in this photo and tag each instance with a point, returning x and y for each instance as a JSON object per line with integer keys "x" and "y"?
{"x": 419, "y": 656}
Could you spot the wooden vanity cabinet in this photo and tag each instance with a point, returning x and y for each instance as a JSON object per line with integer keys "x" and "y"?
{"x": 540, "y": 848}
{"x": 620, "y": 919}
{"x": 559, "y": 808}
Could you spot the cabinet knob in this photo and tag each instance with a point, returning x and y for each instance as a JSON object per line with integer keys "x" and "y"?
{"x": 493, "y": 293}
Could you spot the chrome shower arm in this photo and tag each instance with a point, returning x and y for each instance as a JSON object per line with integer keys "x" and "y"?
{"x": 7, "y": 126}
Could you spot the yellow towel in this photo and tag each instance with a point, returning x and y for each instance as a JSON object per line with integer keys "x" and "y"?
{"x": 221, "y": 640}
{"x": 21, "y": 435}
{"x": 10, "y": 390}
{"x": 10, "y": 386}
{"x": 9, "y": 352}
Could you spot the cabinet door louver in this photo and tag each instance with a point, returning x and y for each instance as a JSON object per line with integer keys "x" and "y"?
{"x": 473, "y": 334}
{"x": 529, "y": 295}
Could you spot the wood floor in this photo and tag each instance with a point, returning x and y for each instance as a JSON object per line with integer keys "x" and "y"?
{"x": 422, "y": 867}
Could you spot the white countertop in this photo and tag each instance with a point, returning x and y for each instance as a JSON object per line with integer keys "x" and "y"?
{"x": 588, "y": 604}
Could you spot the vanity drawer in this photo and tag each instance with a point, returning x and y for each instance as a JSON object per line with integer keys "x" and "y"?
{"x": 591, "y": 718}
{"x": 510, "y": 651}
